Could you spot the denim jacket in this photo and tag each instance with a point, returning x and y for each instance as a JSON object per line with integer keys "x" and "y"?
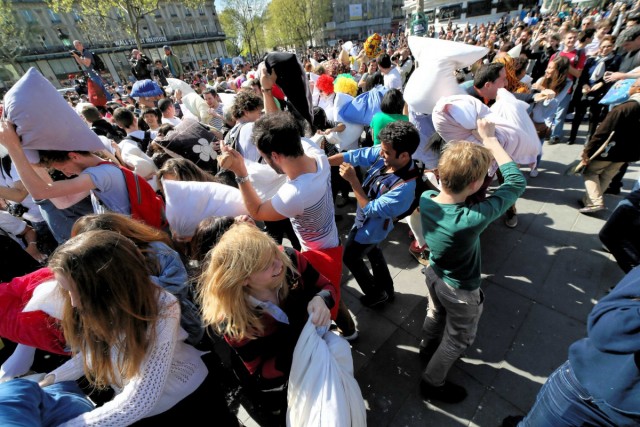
{"x": 375, "y": 221}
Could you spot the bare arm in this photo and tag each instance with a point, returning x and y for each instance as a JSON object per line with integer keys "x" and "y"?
{"x": 266, "y": 82}
{"x": 336, "y": 159}
{"x": 259, "y": 210}
{"x": 487, "y": 134}
{"x": 38, "y": 187}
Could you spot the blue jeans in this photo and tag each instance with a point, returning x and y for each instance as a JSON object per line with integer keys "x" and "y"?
{"x": 562, "y": 401}
{"x": 23, "y": 403}
{"x": 60, "y": 221}
{"x": 561, "y": 114}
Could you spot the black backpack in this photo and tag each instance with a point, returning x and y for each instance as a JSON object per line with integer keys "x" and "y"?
{"x": 98, "y": 65}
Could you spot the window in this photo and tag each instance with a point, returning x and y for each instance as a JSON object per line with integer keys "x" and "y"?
{"x": 27, "y": 15}
{"x": 172, "y": 10}
{"x": 76, "y": 15}
{"x": 201, "y": 10}
{"x": 157, "y": 13}
{"x": 55, "y": 18}
{"x": 187, "y": 11}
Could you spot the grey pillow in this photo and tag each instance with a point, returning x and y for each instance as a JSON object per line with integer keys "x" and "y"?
{"x": 193, "y": 141}
{"x": 44, "y": 120}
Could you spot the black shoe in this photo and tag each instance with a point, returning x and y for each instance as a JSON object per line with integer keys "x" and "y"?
{"x": 427, "y": 352}
{"x": 571, "y": 142}
{"x": 614, "y": 191}
{"x": 512, "y": 420}
{"x": 374, "y": 300}
{"x": 447, "y": 392}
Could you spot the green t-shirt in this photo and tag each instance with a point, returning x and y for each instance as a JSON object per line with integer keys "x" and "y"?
{"x": 380, "y": 120}
{"x": 452, "y": 231}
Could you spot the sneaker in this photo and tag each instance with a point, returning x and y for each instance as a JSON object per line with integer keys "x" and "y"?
{"x": 554, "y": 140}
{"x": 614, "y": 191}
{"x": 373, "y": 300}
{"x": 351, "y": 337}
{"x": 591, "y": 209}
{"x": 511, "y": 220}
{"x": 512, "y": 420}
{"x": 533, "y": 172}
{"x": 421, "y": 254}
{"x": 447, "y": 392}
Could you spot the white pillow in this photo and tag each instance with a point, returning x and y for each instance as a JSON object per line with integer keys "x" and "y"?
{"x": 177, "y": 84}
{"x": 190, "y": 202}
{"x": 44, "y": 120}
{"x": 434, "y": 77}
{"x": 197, "y": 106}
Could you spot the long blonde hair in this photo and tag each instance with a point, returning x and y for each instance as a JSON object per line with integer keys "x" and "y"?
{"x": 242, "y": 251}
{"x": 118, "y": 304}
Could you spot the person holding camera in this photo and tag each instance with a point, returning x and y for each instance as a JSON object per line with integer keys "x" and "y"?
{"x": 140, "y": 65}
{"x": 84, "y": 58}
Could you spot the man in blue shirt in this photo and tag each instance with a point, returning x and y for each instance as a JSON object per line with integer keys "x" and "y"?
{"x": 388, "y": 190}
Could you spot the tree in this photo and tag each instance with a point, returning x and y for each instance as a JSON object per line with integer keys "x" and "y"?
{"x": 128, "y": 13}
{"x": 297, "y": 22}
{"x": 241, "y": 21}
{"x": 13, "y": 37}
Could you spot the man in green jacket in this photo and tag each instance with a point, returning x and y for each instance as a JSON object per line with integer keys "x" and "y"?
{"x": 173, "y": 62}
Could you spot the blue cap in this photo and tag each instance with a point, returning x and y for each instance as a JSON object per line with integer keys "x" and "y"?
{"x": 145, "y": 88}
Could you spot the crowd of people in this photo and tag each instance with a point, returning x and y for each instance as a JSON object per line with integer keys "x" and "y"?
{"x": 146, "y": 225}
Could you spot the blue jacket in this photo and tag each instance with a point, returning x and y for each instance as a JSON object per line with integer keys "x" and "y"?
{"x": 606, "y": 363}
{"x": 375, "y": 221}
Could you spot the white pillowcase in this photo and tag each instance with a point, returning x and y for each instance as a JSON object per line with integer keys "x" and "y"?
{"x": 434, "y": 77}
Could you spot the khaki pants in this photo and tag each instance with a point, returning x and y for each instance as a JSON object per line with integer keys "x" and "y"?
{"x": 597, "y": 176}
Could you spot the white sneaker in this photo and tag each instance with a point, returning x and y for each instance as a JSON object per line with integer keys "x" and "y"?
{"x": 533, "y": 173}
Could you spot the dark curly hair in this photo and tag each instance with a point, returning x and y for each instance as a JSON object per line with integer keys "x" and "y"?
{"x": 245, "y": 101}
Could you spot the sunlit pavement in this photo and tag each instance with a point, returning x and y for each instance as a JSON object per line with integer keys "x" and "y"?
{"x": 541, "y": 280}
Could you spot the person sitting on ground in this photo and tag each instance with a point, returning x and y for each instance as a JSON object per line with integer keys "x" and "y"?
{"x": 124, "y": 332}
{"x": 452, "y": 230}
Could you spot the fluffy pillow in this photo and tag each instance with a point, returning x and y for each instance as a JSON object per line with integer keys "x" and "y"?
{"x": 57, "y": 128}
{"x": 434, "y": 77}
{"x": 189, "y": 202}
{"x": 196, "y": 106}
{"x": 364, "y": 106}
{"x": 194, "y": 142}
{"x": 177, "y": 84}
{"x": 618, "y": 93}
{"x": 454, "y": 118}
{"x": 348, "y": 138}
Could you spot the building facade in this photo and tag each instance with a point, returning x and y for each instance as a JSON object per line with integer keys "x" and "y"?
{"x": 357, "y": 20}
{"x": 195, "y": 36}
{"x": 439, "y": 12}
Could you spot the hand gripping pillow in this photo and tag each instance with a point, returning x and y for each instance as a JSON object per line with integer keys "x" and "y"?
{"x": 60, "y": 128}
{"x": 190, "y": 202}
{"x": 434, "y": 77}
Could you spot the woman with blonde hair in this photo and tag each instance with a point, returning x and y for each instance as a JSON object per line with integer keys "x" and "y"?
{"x": 124, "y": 332}
{"x": 259, "y": 297}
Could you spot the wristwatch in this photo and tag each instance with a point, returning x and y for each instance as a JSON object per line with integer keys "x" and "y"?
{"x": 242, "y": 179}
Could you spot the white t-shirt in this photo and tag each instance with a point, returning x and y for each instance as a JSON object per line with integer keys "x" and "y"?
{"x": 175, "y": 121}
{"x": 307, "y": 201}
{"x": 33, "y": 214}
{"x": 393, "y": 79}
{"x": 245, "y": 145}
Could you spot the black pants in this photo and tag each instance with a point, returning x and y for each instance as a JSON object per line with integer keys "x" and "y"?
{"x": 371, "y": 284}
{"x": 16, "y": 262}
{"x": 279, "y": 229}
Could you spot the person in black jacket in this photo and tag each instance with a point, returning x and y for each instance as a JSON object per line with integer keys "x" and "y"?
{"x": 140, "y": 65}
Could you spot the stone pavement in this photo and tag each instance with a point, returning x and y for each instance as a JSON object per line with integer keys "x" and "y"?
{"x": 541, "y": 280}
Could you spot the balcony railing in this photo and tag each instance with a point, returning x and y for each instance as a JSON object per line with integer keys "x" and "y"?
{"x": 101, "y": 47}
